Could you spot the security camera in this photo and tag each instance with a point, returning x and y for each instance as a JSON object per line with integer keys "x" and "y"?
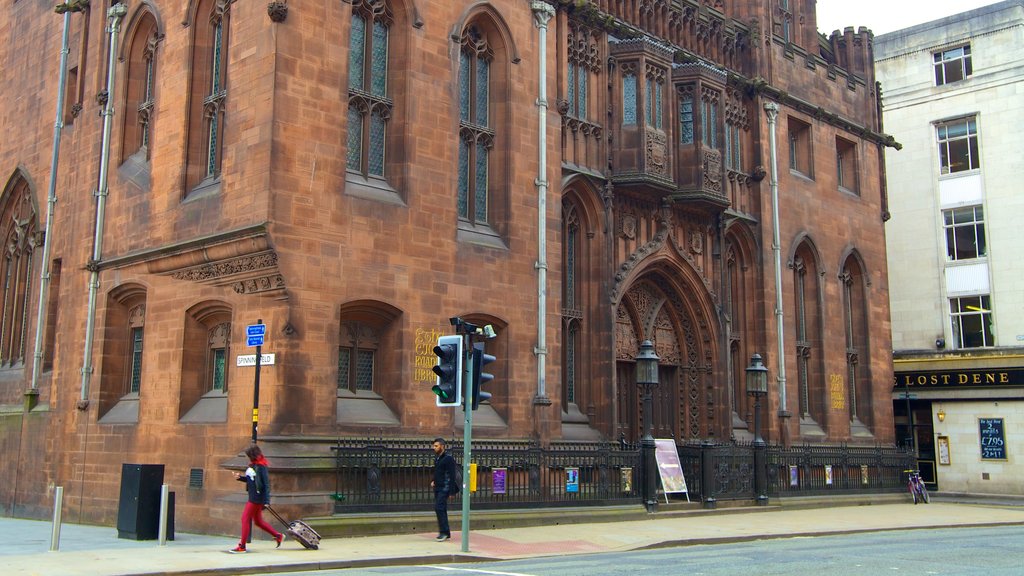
{"x": 940, "y": 343}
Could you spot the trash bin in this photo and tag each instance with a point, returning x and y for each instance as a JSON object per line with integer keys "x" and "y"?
{"x": 138, "y": 511}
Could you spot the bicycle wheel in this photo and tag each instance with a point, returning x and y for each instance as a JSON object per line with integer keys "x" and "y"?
{"x": 924, "y": 492}
{"x": 913, "y": 491}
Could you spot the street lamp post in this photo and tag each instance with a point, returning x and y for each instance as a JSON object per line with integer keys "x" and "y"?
{"x": 757, "y": 386}
{"x": 647, "y": 377}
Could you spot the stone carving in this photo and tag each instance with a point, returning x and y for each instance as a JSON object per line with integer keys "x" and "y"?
{"x": 240, "y": 265}
{"x": 657, "y": 153}
{"x": 261, "y": 284}
{"x": 627, "y": 226}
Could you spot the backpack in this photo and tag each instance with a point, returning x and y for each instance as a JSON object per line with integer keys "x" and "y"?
{"x": 457, "y": 484}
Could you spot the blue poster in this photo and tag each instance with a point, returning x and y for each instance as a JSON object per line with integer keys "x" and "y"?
{"x": 572, "y": 479}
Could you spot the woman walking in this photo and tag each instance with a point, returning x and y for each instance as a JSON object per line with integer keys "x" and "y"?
{"x": 257, "y": 482}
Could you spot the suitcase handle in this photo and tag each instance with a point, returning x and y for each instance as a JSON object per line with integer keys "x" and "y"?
{"x": 276, "y": 515}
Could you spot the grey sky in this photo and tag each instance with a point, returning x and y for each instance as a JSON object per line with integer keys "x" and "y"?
{"x": 882, "y": 16}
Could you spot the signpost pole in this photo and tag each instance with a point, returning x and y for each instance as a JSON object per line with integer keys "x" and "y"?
{"x": 256, "y": 386}
{"x": 467, "y": 436}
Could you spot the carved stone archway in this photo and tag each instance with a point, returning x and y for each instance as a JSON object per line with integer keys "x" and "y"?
{"x": 685, "y": 403}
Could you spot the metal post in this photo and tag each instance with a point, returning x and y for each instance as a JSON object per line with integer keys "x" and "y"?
{"x": 647, "y": 444}
{"x": 256, "y": 390}
{"x": 467, "y": 433}
{"x": 760, "y": 449}
{"x": 162, "y": 529}
{"x": 58, "y": 506}
{"x": 707, "y": 474}
{"x": 647, "y": 376}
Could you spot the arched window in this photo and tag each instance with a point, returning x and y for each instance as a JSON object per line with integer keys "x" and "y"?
{"x": 369, "y": 107}
{"x": 18, "y": 230}
{"x": 855, "y": 320}
{"x": 207, "y": 93}
{"x": 140, "y": 69}
{"x": 476, "y": 134}
{"x": 809, "y": 354}
{"x": 122, "y": 380}
{"x": 217, "y": 353}
{"x": 572, "y": 309}
{"x": 369, "y": 373}
{"x": 136, "y": 327}
{"x": 205, "y": 355}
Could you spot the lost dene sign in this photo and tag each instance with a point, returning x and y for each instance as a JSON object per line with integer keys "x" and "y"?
{"x": 960, "y": 378}
{"x": 250, "y": 359}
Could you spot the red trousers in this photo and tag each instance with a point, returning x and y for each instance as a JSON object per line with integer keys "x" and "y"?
{"x": 254, "y": 512}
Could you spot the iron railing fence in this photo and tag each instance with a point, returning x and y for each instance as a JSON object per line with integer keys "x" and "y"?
{"x": 815, "y": 470}
{"x": 395, "y": 475}
{"x": 380, "y": 475}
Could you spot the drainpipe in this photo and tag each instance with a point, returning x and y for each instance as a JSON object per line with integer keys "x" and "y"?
{"x": 51, "y": 202}
{"x": 542, "y": 12}
{"x": 772, "y": 110}
{"x": 115, "y": 14}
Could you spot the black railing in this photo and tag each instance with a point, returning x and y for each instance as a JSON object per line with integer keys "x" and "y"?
{"x": 811, "y": 470}
{"x": 394, "y": 474}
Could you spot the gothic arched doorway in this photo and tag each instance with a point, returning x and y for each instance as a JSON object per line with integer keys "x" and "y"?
{"x": 685, "y": 403}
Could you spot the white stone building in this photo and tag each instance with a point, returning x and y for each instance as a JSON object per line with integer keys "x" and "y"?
{"x": 953, "y": 96}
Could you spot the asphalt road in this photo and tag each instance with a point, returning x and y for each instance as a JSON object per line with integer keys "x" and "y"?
{"x": 993, "y": 551}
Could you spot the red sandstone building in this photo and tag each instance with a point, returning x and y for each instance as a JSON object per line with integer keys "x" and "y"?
{"x": 583, "y": 176}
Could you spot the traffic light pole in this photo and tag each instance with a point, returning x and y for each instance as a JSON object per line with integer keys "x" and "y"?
{"x": 467, "y": 435}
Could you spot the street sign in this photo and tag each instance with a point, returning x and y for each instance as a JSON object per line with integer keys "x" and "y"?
{"x": 255, "y": 329}
{"x": 250, "y": 359}
{"x": 254, "y": 340}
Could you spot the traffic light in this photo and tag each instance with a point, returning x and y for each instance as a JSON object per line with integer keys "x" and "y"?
{"x": 448, "y": 387}
{"x": 480, "y": 359}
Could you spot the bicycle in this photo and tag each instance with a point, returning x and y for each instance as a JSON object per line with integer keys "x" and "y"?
{"x": 916, "y": 486}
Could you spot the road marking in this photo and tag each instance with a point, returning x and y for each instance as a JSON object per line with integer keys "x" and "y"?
{"x": 474, "y": 571}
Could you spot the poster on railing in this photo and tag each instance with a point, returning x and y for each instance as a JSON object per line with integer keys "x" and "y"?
{"x": 669, "y": 468}
{"x": 498, "y": 476}
{"x": 572, "y": 480}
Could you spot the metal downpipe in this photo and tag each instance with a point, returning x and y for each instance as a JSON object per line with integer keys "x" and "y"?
{"x": 542, "y": 13}
{"x": 114, "y": 14}
{"x": 772, "y": 109}
{"x": 51, "y": 202}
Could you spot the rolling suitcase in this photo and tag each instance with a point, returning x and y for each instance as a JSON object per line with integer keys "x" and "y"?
{"x": 299, "y": 530}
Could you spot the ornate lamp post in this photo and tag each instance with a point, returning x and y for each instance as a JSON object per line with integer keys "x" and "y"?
{"x": 647, "y": 377}
{"x": 757, "y": 386}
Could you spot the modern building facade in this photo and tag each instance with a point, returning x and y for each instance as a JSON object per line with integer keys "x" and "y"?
{"x": 582, "y": 176}
{"x": 952, "y": 97}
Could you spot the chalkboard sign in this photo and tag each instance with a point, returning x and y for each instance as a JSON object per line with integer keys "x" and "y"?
{"x": 993, "y": 440}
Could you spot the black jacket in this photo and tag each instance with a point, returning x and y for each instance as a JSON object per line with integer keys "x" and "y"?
{"x": 257, "y": 483}
{"x": 444, "y": 474}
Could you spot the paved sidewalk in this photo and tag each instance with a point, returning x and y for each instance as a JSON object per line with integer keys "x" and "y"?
{"x": 96, "y": 551}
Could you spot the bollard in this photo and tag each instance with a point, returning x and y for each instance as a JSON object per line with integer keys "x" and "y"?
{"x": 162, "y": 529}
{"x": 58, "y": 505}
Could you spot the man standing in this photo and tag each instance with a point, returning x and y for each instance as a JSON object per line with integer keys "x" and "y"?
{"x": 445, "y": 484}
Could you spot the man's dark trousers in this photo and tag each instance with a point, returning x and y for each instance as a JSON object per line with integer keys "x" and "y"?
{"x": 441, "y": 509}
